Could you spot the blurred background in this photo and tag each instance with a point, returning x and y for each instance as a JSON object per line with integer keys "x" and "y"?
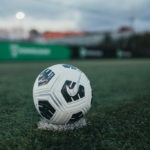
{"x": 109, "y": 40}
{"x": 68, "y": 29}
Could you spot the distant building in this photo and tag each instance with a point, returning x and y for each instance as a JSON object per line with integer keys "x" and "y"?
{"x": 125, "y": 29}
{"x": 56, "y": 35}
{"x": 84, "y": 40}
{"x": 4, "y": 34}
{"x": 11, "y": 35}
{"x": 70, "y": 38}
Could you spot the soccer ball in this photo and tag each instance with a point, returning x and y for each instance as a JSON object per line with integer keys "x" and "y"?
{"x": 62, "y": 94}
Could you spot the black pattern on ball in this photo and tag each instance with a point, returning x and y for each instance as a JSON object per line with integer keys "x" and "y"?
{"x": 67, "y": 97}
{"x": 76, "y": 117}
{"x": 46, "y": 109}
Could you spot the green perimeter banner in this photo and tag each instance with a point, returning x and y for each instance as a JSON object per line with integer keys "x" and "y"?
{"x": 32, "y": 51}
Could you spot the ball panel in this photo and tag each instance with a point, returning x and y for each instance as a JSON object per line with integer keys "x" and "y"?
{"x": 46, "y": 109}
{"x": 75, "y": 117}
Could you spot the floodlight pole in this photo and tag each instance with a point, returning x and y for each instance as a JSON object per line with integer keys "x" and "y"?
{"x": 133, "y": 16}
{"x": 20, "y": 16}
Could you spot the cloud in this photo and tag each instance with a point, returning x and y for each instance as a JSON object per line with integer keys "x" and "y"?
{"x": 88, "y": 15}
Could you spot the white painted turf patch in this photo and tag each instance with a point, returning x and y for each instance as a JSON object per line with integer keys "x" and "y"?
{"x": 46, "y": 125}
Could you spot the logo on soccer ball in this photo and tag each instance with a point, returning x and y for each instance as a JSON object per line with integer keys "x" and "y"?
{"x": 45, "y": 77}
{"x": 69, "y": 66}
{"x": 69, "y": 94}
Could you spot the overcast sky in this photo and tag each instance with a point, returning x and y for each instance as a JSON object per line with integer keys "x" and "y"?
{"x": 76, "y": 15}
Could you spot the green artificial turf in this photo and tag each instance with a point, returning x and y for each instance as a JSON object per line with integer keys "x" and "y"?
{"x": 119, "y": 117}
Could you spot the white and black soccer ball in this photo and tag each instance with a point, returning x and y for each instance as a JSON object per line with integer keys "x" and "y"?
{"x": 62, "y": 94}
